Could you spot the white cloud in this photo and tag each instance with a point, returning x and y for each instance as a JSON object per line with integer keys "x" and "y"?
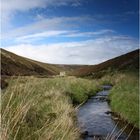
{"x": 55, "y": 23}
{"x": 41, "y": 35}
{"x": 83, "y": 52}
{"x": 90, "y": 34}
{"x": 10, "y": 7}
{"x": 61, "y": 33}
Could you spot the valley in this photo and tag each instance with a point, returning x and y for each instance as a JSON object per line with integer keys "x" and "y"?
{"x": 38, "y": 103}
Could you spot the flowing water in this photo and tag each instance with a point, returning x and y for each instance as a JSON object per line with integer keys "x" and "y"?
{"x": 95, "y": 120}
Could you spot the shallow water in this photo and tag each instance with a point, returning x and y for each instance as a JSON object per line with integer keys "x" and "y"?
{"x": 94, "y": 121}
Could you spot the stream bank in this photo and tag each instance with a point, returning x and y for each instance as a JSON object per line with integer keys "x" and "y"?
{"x": 96, "y": 121}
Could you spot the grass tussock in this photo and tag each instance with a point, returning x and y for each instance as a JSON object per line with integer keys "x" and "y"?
{"x": 41, "y": 109}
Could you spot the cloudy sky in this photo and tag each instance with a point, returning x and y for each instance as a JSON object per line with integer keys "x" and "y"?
{"x": 69, "y": 31}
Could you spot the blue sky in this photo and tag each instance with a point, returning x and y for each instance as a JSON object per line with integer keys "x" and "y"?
{"x": 69, "y": 31}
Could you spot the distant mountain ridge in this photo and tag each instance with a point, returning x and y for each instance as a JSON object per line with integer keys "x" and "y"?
{"x": 12, "y": 64}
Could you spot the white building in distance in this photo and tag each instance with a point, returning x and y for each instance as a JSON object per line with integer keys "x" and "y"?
{"x": 62, "y": 73}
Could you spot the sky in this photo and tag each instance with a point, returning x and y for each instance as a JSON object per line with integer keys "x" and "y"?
{"x": 70, "y": 31}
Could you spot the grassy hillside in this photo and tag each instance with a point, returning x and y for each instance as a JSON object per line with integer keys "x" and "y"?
{"x": 12, "y": 64}
{"x": 126, "y": 61}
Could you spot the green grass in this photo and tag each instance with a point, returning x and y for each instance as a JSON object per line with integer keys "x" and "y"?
{"x": 125, "y": 97}
{"x": 41, "y": 108}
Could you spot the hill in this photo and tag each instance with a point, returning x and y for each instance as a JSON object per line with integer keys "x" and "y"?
{"x": 129, "y": 61}
{"x": 12, "y": 64}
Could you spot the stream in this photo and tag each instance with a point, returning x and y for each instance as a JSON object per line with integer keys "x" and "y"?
{"x": 96, "y": 121}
